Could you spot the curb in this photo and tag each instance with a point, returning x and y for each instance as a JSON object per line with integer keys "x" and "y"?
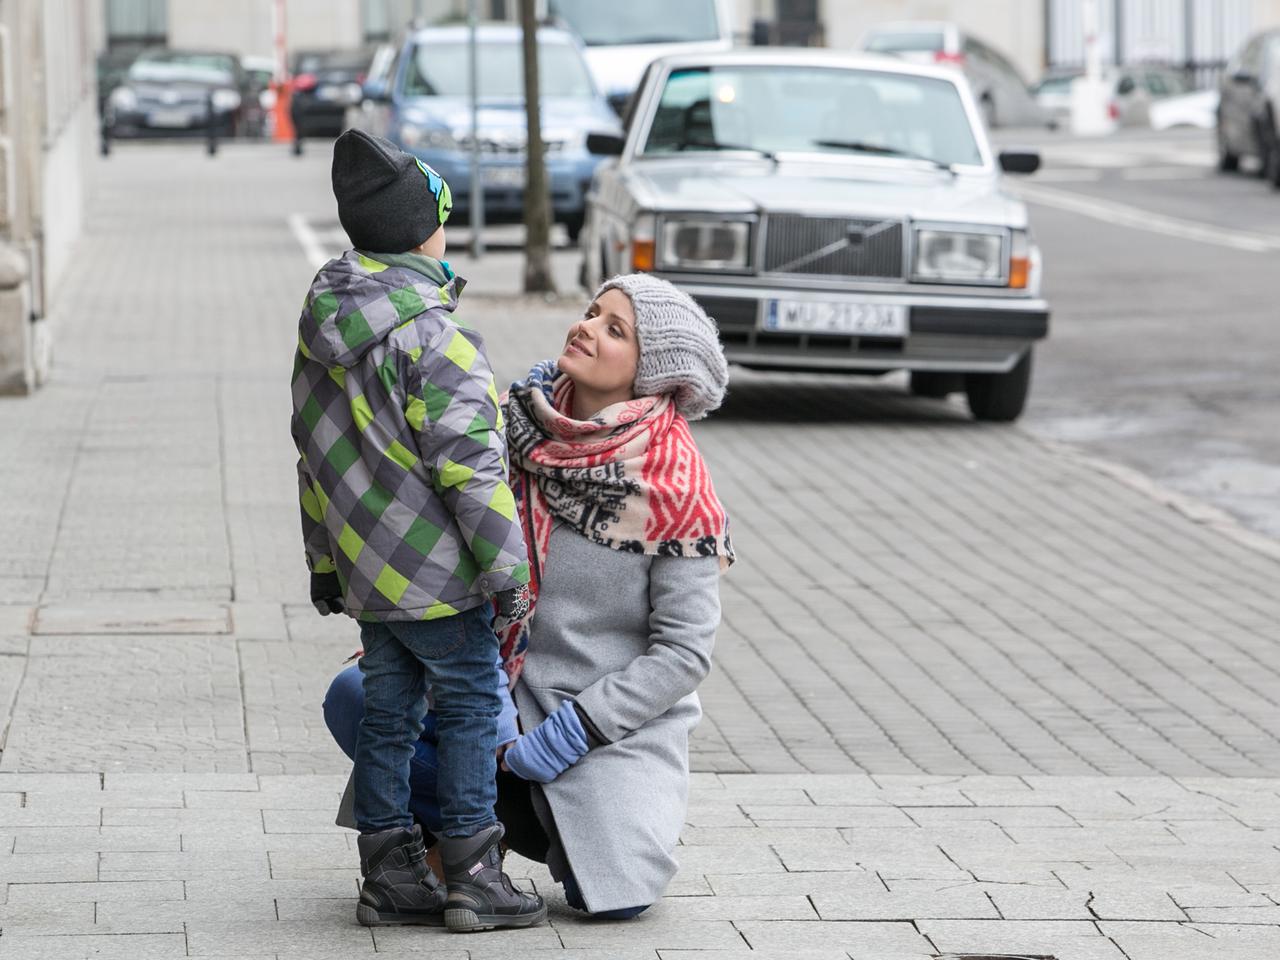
{"x": 1198, "y": 511}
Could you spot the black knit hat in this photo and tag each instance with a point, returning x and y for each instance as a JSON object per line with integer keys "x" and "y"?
{"x": 388, "y": 201}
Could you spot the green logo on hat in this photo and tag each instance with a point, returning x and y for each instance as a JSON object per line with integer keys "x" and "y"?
{"x": 439, "y": 189}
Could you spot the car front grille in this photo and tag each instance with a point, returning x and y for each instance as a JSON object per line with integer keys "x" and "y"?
{"x": 834, "y": 246}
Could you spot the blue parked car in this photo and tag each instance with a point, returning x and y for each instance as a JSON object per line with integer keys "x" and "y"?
{"x": 420, "y": 102}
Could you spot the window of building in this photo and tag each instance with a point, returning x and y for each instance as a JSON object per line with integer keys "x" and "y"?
{"x": 137, "y": 23}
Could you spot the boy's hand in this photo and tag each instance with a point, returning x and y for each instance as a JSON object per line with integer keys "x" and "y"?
{"x": 326, "y": 594}
{"x": 513, "y": 605}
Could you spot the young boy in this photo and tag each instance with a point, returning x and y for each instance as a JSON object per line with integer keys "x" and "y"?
{"x": 410, "y": 528}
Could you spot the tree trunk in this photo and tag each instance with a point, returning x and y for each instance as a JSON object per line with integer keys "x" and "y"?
{"x": 537, "y": 195}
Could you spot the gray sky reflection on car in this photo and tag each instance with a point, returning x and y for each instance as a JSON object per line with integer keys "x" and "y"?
{"x": 654, "y": 21}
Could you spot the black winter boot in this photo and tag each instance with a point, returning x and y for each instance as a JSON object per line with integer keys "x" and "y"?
{"x": 481, "y": 896}
{"x": 398, "y": 885}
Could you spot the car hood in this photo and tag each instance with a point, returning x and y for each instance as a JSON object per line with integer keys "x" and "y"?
{"x": 824, "y": 189}
{"x": 508, "y": 116}
{"x": 617, "y": 70}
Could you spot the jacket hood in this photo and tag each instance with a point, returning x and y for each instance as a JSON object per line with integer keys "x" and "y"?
{"x": 356, "y": 301}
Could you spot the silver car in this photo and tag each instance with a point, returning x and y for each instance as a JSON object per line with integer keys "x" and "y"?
{"x": 831, "y": 212}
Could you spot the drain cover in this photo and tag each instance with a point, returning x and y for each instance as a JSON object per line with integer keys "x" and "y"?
{"x": 993, "y": 956}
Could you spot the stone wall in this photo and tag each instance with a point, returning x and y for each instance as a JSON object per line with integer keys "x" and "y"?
{"x": 47, "y": 136}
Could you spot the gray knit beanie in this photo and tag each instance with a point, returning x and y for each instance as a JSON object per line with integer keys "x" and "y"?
{"x": 680, "y": 352}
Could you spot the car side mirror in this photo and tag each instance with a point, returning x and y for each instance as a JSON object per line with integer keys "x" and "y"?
{"x": 1126, "y": 87}
{"x": 1019, "y": 161}
{"x": 375, "y": 90}
{"x": 605, "y": 144}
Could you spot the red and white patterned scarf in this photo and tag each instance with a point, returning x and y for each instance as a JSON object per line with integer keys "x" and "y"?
{"x": 630, "y": 478}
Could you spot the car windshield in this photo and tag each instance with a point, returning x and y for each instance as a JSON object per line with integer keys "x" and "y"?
{"x": 351, "y": 60}
{"x": 441, "y": 70}
{"x": 1059, "y": 84}
{"x": 908, "y": 41}
{"x": 654, "y": 21}
{"x": 170, "y": 66}
{"x": 768, "y": 109}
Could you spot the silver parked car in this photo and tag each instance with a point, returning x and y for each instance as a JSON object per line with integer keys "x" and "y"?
{"x": 999, "y": 87}
{"x": 832, "y": 212}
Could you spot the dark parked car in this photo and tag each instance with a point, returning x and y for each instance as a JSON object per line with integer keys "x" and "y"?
{"x": 1249, "y": 107}
{"x": 325, "y": 83}
{"x": 170, "y": 93}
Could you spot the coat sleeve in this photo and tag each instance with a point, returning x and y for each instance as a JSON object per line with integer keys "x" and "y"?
{"x": 508, "y": 724}
{"x": 453, "y": 409}
{"x": 315, "y": 536}
{"x": 684, "y": 612}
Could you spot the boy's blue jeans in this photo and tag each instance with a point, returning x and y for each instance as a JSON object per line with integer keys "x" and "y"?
{"x": 455, "y": 656}
{"x": 343, "y": 709}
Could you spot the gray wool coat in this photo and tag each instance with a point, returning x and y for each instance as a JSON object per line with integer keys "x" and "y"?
{"x": 629, "y": 637}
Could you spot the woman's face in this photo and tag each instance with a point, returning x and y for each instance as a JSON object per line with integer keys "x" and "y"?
{"x": 601, "y": 350}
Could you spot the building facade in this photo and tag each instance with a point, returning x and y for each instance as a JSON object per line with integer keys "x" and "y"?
{"x": 48, "y": 135}
{"x": 247, "y": 27}
{"x": 1037, "y": 34}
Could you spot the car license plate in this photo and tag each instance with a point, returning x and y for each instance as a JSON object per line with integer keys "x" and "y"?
{"x": 329, "y": 92}
{"x": 168, "y": 118}
{"x": 502, "y": 176}
{"x": 838, "y": 317}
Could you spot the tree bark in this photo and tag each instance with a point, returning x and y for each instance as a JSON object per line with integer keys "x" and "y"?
{"x": 537, "y": 194}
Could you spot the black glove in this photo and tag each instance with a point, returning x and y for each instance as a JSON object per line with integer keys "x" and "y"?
{"x": 513, "y": 605}
{"x": 326, "y": 594}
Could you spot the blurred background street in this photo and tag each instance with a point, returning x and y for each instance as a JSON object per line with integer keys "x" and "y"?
{"x": 982, "y": 687}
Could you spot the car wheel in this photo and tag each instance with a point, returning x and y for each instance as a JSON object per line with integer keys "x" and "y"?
{"x": 928, "y": 383}
{"x": 604, "y": 269}
{"x": 988, "y": 108}
{"x": 1228, "y": 162}
{"x": 999, "y": 397}
{"x": 1271, "y": 163}
{"x": 574, "y": 226}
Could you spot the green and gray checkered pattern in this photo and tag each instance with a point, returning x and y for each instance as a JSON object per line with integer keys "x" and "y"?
{"x": 402, "y": 467}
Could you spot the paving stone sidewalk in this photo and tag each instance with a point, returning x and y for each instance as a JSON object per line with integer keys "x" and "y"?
{"x": 972, "y": 693}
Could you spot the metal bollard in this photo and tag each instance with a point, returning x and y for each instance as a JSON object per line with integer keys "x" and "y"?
{"x": 211, "y": 125}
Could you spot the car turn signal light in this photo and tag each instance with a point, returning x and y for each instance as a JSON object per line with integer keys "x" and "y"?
{"x": 642, "y": 256}
{"x": 1019, "y": 272}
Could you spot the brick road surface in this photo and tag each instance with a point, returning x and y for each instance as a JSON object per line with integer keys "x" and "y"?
{"x": 971, "y": 693}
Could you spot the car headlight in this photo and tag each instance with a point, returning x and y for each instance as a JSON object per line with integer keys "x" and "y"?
{"x": 420, "y": 137}
{"x": 224, "y": 101}
{"x": 123, "y": 98}
{"x": 954, "y": 256}
{"x": 564, "y": 141}
{"x": 706, "y": 244}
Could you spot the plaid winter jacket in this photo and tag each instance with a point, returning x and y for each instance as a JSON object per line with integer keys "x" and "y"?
{"x": 402, "y": 459}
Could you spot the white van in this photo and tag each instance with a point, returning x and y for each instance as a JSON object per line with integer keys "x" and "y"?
{"x": 622, "y": 37}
